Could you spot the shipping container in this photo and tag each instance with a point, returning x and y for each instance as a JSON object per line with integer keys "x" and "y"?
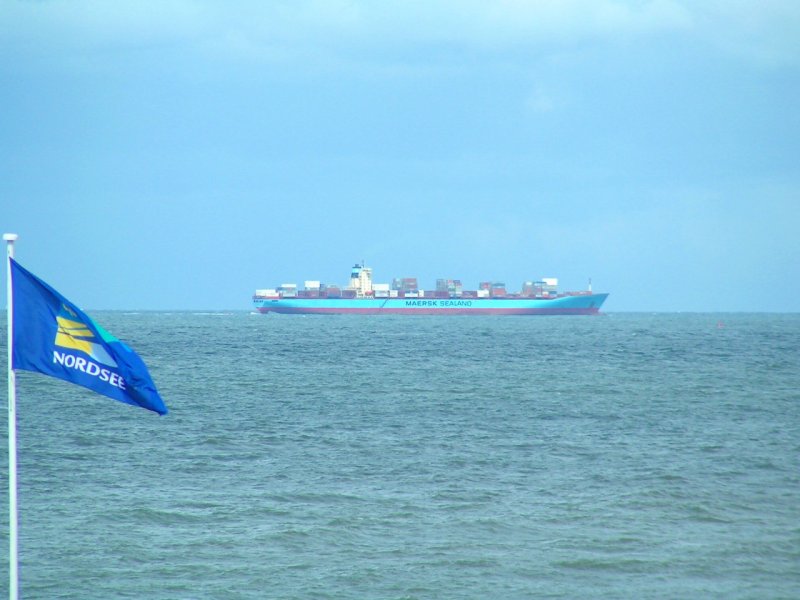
{"x": 405, "y": 284}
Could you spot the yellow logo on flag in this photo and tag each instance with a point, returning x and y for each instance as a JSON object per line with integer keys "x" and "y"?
{"x": 76, "y": 335}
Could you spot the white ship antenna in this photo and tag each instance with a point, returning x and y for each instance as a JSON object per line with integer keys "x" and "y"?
{"x": 590, "y": 284}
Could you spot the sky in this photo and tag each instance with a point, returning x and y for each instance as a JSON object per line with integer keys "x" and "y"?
{"x": 177, "y": 154}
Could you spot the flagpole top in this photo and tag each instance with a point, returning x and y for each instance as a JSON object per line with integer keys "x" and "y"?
{"x": 10, "y": 237}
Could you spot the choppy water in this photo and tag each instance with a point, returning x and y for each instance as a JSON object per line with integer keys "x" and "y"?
{"x": 624, "y": 456}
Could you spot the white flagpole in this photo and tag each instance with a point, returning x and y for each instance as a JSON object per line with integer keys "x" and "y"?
{"x": 13, "y": 520}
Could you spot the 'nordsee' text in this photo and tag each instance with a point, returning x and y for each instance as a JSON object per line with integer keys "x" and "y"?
{"x": 88, "y": 367}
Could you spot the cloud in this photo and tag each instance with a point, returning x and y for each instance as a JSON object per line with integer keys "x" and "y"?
{"x": 91, "y": 23}
{"x": 541, "y": 100}
{"x": 281, "y": 30}
{"x": 504, "y": 25}
{"x": 765, "y": 32}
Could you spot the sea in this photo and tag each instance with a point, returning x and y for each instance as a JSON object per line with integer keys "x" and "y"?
{"x": 627, "y": 455}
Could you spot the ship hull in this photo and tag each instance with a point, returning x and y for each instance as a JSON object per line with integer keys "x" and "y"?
{"x": 583, "y": 304}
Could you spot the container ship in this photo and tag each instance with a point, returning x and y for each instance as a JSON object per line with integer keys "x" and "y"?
{"x": 403, "y": 296}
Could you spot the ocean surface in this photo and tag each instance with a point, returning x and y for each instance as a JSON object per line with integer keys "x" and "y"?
{"x": 402, "y": 457}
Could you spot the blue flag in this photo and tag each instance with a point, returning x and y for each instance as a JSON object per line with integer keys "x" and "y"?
{"x": 55, "y": 337}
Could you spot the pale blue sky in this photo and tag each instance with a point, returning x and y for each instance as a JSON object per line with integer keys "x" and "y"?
{"x": 178, "y": 155}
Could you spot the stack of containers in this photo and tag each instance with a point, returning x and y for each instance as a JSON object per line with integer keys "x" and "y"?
{"x": 498, "y": 290}
{"x": 288, "y": 290}
{"x": 549, "y": 286}
{"x": 380, "y": 290}
{"x": 453, "y": 287}
{"x": 405, "y": 284}
{"x": 333, "y": 291}
{"x": 311, "y": 289}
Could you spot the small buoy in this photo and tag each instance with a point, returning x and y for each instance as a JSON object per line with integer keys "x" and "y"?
{"x": 720, "y": 325}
